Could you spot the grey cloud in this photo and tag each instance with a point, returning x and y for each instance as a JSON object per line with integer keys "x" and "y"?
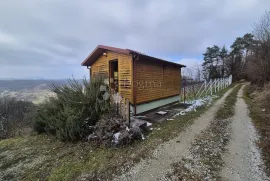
{"x": 54, "y": 36}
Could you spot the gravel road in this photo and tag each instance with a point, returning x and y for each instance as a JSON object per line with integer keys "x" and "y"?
{"x": 243, "y": 161}
{"x": 172, "y": 151}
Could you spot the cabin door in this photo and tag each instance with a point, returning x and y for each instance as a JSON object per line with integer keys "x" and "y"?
{"x": 114, "y": 75}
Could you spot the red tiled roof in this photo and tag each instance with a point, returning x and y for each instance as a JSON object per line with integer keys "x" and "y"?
{"x": 99, "y": 50}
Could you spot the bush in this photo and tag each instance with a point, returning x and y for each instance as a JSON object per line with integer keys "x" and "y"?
{"x": 75, "y": 109}
{"x": 14, "y": 116}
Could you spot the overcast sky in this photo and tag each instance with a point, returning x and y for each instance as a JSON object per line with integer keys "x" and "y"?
{"x": 50, "y": 38}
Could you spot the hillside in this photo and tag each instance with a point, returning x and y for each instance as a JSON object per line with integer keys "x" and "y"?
{"x": 28, "y": 90}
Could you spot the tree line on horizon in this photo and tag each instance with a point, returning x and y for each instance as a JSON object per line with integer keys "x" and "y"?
{"x": 248, "y": 56}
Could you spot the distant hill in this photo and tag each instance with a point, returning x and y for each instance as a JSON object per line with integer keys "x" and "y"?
{"x": 16, "y": 85}
{"x": 25, "y": 78}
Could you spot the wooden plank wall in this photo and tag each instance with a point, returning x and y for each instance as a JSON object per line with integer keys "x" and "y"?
{"x": 156, "y": 80}
{"x": 125, "y": 77}
{"x": 101, "y": 67}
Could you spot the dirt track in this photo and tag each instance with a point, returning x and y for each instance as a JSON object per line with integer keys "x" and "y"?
{"x": 172, "y": 151}
{"x": 243, "y": 160}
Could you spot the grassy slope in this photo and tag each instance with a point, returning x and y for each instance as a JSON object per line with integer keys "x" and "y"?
{"x": 41, "y": 157}
{"x": 262, "y": 124}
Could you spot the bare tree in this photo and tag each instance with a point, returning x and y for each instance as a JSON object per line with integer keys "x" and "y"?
{"x": 188, "y": 72}
{"x": 14, "y": 115}
{"x": 195, "y": 72}
{"x": 258, "y": 67}
{"x": 198, "y": 69}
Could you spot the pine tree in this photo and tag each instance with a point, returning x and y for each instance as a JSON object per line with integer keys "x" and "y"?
{"x": 223, "y": 55}
{"x": 74, "y": 110}
{"x": 211, "y": 62}
{"x": 240, "y": 49}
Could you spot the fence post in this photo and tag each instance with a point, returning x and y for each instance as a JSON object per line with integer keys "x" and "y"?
{"x": 194, "y": 92}
{"x": 218, "y": 81}
{"x": 221, "y": 83}
{"x": 215, "y": 81}
{"x": 184, "y": 94}
{"x": 211, "y": 86}
{"x": 128, "y": 112}
{"x": 117, "y": 108}
{"x": 217, "y": 85}
{"x": 180, "y": 95}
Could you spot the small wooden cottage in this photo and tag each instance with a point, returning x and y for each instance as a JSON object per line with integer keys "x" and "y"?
{"x": 148, "y": 82}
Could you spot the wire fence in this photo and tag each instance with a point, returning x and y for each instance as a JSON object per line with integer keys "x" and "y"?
{"x": 196, "y": 90}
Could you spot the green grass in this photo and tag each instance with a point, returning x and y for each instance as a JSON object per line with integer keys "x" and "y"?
{"x": 41, "y": 157}
{"x": 227, "y": 108}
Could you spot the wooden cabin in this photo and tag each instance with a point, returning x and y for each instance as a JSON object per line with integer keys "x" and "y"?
{"x": 148, "y": 82}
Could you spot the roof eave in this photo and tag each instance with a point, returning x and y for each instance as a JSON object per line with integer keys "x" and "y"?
{"x": 84, "y": 63}
{"x": 98, "y": 51}
{"x": 177, "y": 64}
{"x": 100, "y": 48}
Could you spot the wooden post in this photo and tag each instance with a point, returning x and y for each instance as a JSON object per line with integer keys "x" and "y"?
{"x": 181, "y": 95}
{"x": 215, "y": 81}
{"x": 211, "y": 85}
{"x": 185, "y": 83}
{"x": 184, "y": 94}
{"x": 218, "y": 84}
{"x": 221, "y": 83}
{"x": 128, "y": 112}
{"x": 194, "y": 94}
{"x": 117, "y": 108}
